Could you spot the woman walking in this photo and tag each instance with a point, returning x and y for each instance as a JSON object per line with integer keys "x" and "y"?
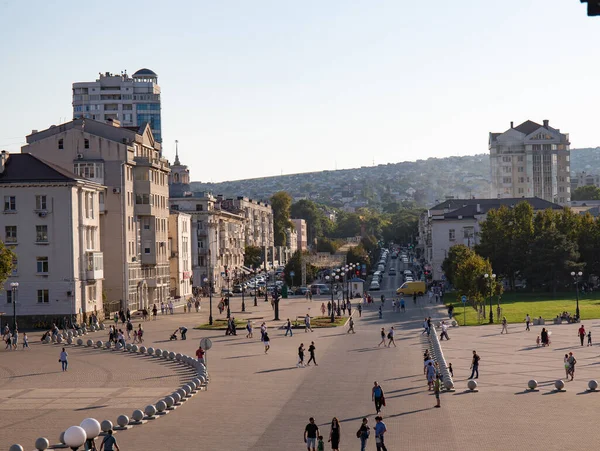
{"x": 504, "y": 325}
{"x": 266, "y": 342}
{"x": 63, "y": 359}
{"x": 334, "y": 434}
{"x": 382, "y": 342}
{"x": 363, "y": 433}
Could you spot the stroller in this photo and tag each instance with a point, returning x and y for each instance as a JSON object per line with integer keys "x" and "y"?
{"x": 174, "y": 335}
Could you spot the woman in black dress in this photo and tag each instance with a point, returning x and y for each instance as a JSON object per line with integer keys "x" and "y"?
{"x": 334, "y": 434}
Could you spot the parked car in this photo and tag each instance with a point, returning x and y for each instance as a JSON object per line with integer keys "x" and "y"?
{"x": 301, "y": 291}
{"x": 318, "y": 287}
{"x": 237, "y": 288}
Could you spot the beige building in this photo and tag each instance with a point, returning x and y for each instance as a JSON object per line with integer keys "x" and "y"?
{"x": 531, "y": 160}
{"x": 51, "y": 221}
{"x": 135, "y": 206}
{"x": 302, "y": 234}
{"x": 259, "y": 220}
{"x": 180, "y": 226}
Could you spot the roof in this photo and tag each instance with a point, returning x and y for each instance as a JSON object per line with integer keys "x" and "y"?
{"x": 527, "y": 127}
{"x": 470, "y": 210}
{"x": 145, "y": 72}
{"x": 24, "y": 167}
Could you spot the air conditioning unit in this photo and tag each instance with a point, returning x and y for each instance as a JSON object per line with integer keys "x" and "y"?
{"x": 116, "y": 190}
{"x": 80, "y": 156}
{"x": 42, "y": 214}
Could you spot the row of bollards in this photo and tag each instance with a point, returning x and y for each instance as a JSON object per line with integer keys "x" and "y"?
{"x": 532, "y": 385}
{"x": 90, "y": 428}
{"x": 438, "y": 355}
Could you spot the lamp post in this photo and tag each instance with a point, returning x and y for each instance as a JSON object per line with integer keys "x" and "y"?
{"x": 331, "y": 279}
{"x": 576, "y": 276}
{"x": 210, "y": 316}
{"x": 242, "y": 287}
{"x": 490, "y": 279}
{"x": 255, "y": 287}
{"x": 14, "y": 286}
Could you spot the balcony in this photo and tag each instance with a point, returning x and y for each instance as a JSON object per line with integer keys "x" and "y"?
{"x": 95, "y": 266}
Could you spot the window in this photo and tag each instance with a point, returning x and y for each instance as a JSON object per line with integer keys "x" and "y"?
{"x": 61, "y": 144}
{"x": 521, "y": 191}
{"x": 468, "y": 232}
{"x": 520, "y": 158}
{"x": 146, "y": 223}
{"x": 42, "y": 265}
{"x": 43, "y": 296}
{"x": 8, "y": 296}
{"x": 451, "y": 234}
{"x": 86, "y": 143}
{"x": 506, "y": 169}
{"x": 506, "y": 179}
{"x": 521, "y": 179}
{"x": 89, "y": 170}
{"x": 40, "y": 202}
{"x": 41, "y": 234}
{"x": 10, "y": 203}
{"x": 10, "y": 234}
{"x": 520, "y": 169}
{"x": 142, "y": 199}
{"x": 146, "y": 250}
{"x": 198, "y": 207}
{"x": 15, "y": 267}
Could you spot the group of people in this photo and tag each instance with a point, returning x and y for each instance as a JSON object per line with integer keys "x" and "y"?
{"x": 12, "y": 339}
{"x": 315, "y": 441}
{"x": 390, "y": 336}
{"x": 339, "y": 308}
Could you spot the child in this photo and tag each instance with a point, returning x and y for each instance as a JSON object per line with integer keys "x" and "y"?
{"x": 537, "y": 341}
{"x": 320, "y": 444}
{"x": 25, "y": 341}
{"x": 450, "y": 369}
{"x": 589, "y": 343}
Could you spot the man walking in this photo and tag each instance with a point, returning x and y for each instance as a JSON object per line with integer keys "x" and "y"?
{"x": 311, "y": 351}
{"x": 475, "y": 366}
{"x": 311, "y": 431}
{"x": 390, "y": 336}
{"x": 444, "y": 331}
{"x": 437, "y": 385}
{"x": 380, "y": 430}
{"x": 571, "y": 361}
{"x": 351, "y": 326}
{"x": 307, "y": 324}
{"x": 301, "y": 355}
{"x": 377, "y": 397}
{"x": 527, "y": 321}
{"x": 288, "y": 328}
{"x": 504, "y": 325}
{"x": 581, "y": 334}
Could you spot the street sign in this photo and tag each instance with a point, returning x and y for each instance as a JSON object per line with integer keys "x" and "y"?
{"x": 292, "y": 273}
{"x": 206, "y": 344}
{"x": 463, "y": 299}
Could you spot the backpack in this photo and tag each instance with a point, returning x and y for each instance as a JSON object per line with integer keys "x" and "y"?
{"x": 358, "y": 434}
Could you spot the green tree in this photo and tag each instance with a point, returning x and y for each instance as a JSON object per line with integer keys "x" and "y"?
{"x": 317, "y": 224}
{"x": 6, "y": 262}
{"x": 347, "y": 225}
{"x": 253, "y": 256}
{"x": 358, "y": 254}
{"x": 402, "y": 226}
{"x": 588, "y": 192}
{"x": 327, "y": 245}
{"x": 456, "y": 256}
{"x": 295, "y": 265}
{"x": 469, "y": 279}
{"x": 281, "y": 203}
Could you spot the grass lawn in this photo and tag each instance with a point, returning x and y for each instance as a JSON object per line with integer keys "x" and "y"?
{"x": 515, "y": 306}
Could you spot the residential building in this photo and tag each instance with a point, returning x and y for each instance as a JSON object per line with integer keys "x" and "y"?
{"x": 180, "y": 226}
{"x": 302, "y": 234}
{"x": 259, "y": 220}
{"x": 132, "y": 100}
{"x": 531, "y": 160}
{"x": 292, "y": 239}
{"x": 50, "y": 220}
{"x": 457, "y": 221}
{"x": 135, "y": 206}
{"x": 584, "y": 179}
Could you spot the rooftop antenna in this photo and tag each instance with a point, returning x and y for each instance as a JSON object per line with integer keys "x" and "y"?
{"x": 177, "y": 152}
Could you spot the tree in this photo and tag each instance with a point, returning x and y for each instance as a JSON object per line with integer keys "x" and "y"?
{"x": 456, "y": 256}
{"x": 295, "y": 265}
{"x": 588, "y": 192}
{"x": 6, "y": 262}
{"x": 469, "y": 278}
{"x": 253, "y": 256}
{"x": 317, "y": 224}
{"x": 402, "y": 226}
{"x": 281, "y": 202}
{"x": 347, "y": 225}
{"x": 357, "y": 254}
{"x": 327, "y": 245}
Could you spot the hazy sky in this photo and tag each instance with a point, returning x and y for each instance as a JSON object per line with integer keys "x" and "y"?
{"x": 254, "y": 88}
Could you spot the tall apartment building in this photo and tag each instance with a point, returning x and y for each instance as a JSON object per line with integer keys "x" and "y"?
{"x": 531, "y": 160}
{"x": 259, "y": 220}
{"x": 132, "y": 100}
{"x": 50, "y": 220}
{"x": 180, "y": 226}
{"x": 135, "y": 206}
{"x": 302, "y": 234}
{"x": 584, "y": 179}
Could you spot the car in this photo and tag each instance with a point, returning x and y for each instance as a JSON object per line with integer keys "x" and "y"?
{"x": 301, "y": 291}
{"x": 321, "y": 288}
{"x": 408, "y": 279}
{"x": 226, "y": 293}
{"x": 407, "y": 272}
{"x": 237, "y": 288}
{"x": 374, "y": 286}
{"x": 392, "y": 272}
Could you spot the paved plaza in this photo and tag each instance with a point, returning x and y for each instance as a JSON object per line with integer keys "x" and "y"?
{"x": 258, "y": 401}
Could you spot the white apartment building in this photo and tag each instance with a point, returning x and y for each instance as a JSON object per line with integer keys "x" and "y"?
{"x": 292, "y": 239}
{"x": 259, "y": 220}
{"x": 180, "y": 226}
{"x": 531, "y": 160}
{"x": 132, "y": 100}
{"x": 302, "y": 234}
{"x": 135, "y": 206}
{"x": 457, "y": 221}
{"x": 50, "y": 219}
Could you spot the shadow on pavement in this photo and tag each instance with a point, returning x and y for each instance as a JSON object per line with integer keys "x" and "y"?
{"x": 277, "y": 369}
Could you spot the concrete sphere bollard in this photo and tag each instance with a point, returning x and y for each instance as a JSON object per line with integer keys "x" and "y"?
{"x": 143, "y": 349}
{"x": 79, "y": 333}
{"x": 15, "y": 448}
{"x": 158, "y": 352}
{"x": 42, "y": 444}
{"x": 119, "y": 346}
{"x": 532, "y": 384}
{"x": 186, "y": 388}
{"x": 202, "y": 378}
{"x": 559, "y": 384}
{"x": 161, "y": 406}
{"x": 448, "y": 384}
{"x": 47, "y": 339}
{"x": 169, "y": 401}
{"x": 122, "y": 420}
{"x": 92, "y": 328}
{"x": 101, "y": 326}
{"x": 182, "y": 393}
{"x": 176, "y": 397}
{"x": 128, "y": 347}
{"x": 53, "y": 338}
{"x": 178, "y": 357}
{"x": 107, "y": 345}
{"x": 171, "y": 355}
{"x": 106, "y": 425}
{"x": 472, "y": 384}
{"x": 137, "y": 415}
{"x": 165, "y": 353}
{"x": 61, "y": 437}
{"x": 150, "y": 410}
{"x": 69, "y": 340}
{"x": 79, "y": 342}
{"x": 75, "y": 436}
{"x": 593, "y": 385}
{"x": 150, "y": 351}
{"x": 92, "y": 427}
{"x": 90, "y": 343}
{"x": 134, "y": 348}
{"x": 99, "y": 344}
{"x": 69, "y": 335}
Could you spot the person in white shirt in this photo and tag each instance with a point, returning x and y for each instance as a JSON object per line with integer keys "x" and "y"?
{"x": 63, "y": 359}
{"x": 391, "y": 334}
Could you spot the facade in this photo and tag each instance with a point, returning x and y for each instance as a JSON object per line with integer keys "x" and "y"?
{"x": 531, "y": 160}
{"x": 302, "y": 234}
{"x": 584, "y": 179}
{"x": 132, "y": 100}
{"x": 292, "y": 239}
{"x": 135, "y": 206}
{"x": 457, "y": 221}
{"x": 51, "y": 221}
{"x": 259, "y": 220}
{"x": 180, "y": 226}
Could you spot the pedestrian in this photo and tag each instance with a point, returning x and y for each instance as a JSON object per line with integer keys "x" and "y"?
{"x": 128, "y": 315}
{"x": 63, "y": 359}
{"x": 382, "y": 342}
{"x": 197, "y": 305}
{"x": 437, "y": 385}
{"x": 307, "y": 323}
{"x": 343, "y": 306}
{"x": 329, "y": 308}
{"x": 428, "y": 325}
{"x": 200, "y": 354}
{"x": 109, "y": 442}
{"x": 335, "y": 434}
{"x": 300, "y": 356}
{"x": 182, "y": 332}
{"x": 26, "y": 341}
{"x": 567, "y": 365}
{"x": 589, "y": 335}
{"x": 390, "y": 336}
{"x": 90, "y": 445}
{"x": 135, "y": 336}
{"x": 430, "y": 374}
{"x": 504, "y": 324}
{"x": 249, "y": 329}
{"x": 311, "y": 432}
{"x": 475, "y": 365}
{"x": 363, "y": 433}
{"x": 380, "y": 312}
{"x": 450, "y": 369}
{"x": 266, "y": 342}
{"x": 378, "y": 397}
{"x": 9, "y": 342}
{"x": 116, "y": 318}
{"x": 140, "y": 333}
{"x": 311, "y": 351}
{"x": 402, "y": 305}
{"x": 320, "y": 444}
{"x": 288, "y": 328}
{"x": 581, "y": 333}
{"x": 15, "y": 341}
{"x": 359, "y": 310}
{"x": 263, "y": 330}
{"x": 572, "y": 361}
{"x": 425, "y": 327}
{"x": 129, "y": 328}
{"x": 351, "y": 326}
{"x": 349, "y": 307}
{"x": 444, "y": 331}
{"x": 415, "y": 297}
{"x": 323, "y": 308}
{"x": 380, "y": 430}
{"x": 154, "y": 312}
{"x": 527, "y": 321}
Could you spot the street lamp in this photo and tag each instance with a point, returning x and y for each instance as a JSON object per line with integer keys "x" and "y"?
{"x": 490, "y": 279}
{"x": 576, "y": 276}
{"x": 14, "y": 286}
{"x": 255, "y": 287}
{"x": 330, "y": 279}
{"x": 210, "y": 317}
{"x": 242, "y": 287}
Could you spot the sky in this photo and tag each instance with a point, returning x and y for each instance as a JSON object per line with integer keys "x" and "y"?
{"x": 260, "y": 88}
